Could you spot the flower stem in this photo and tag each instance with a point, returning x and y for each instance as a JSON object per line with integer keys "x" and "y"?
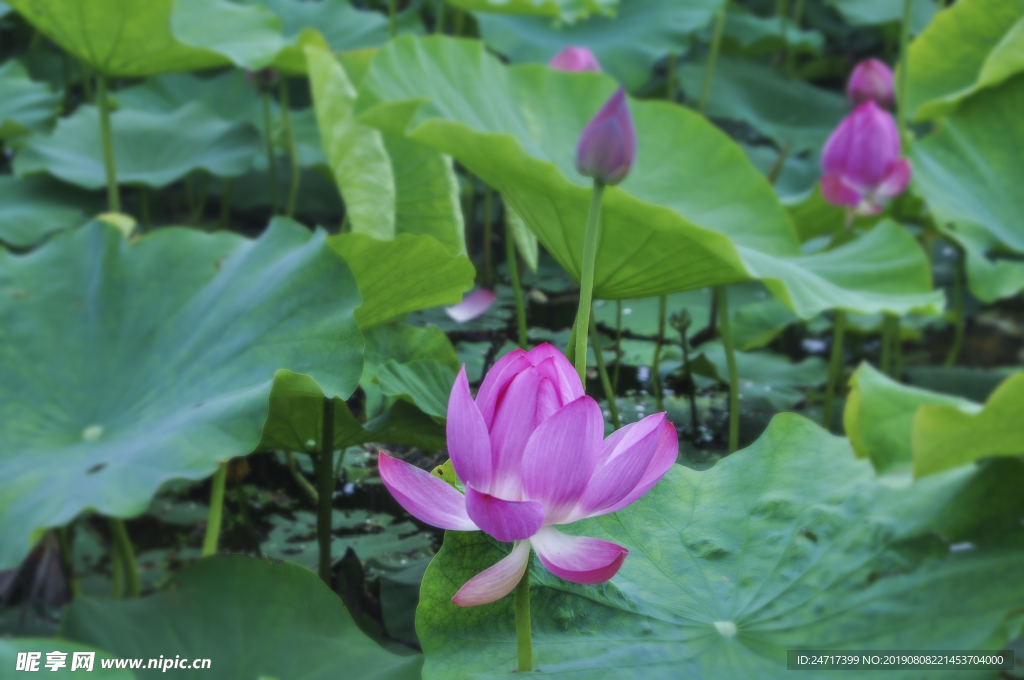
{"x": 300, "y": 479}
{"x": 798, "y": 15}
{"x": 393, "y": 17}
{"x": 147, "y": 225}
{"x": 730, "y": 360}
{"x": 488, "y": 264}
{"x": 835, "y": 368}
{"x": 901, "y": 99}
{"x": 268, "y": 127}
{"x": 124, "y": 554}
{"x": 216, "y": 512}
{"x": 67, "y": 559}
{"x": 958, "y": 312}
{"x": 325, "y": 480}
{"x": 602, "y": 370}
{"x": 524, "y": 642}
{"x": 590, "y": 240}
{"x": 709, "y": 69}
{"x": 659, "y": 403}
{"x": 227, "y": 184}
{"x": 293, "y": 153}
{"x": 891, "y": 346}
{"x": 618, "y": 345}
{"x": 113, "y": 193}
{"x": 517, "y": 288}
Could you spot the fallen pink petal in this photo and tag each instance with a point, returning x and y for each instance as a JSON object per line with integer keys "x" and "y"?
{"x": 472, "y": 306}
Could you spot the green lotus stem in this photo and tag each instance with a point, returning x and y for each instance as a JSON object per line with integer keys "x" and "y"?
{"x": 670, "y": 77}
{"x": 86, "y": 82}
{"x": 144, "y": 209}
{"x": 897, "y": 350}
{"x": 656, "y": 364}
{"x": 125, "y": 555}
{"x": 200, "y": 204}
{"x": 393, "y": 17}
{"x": 709, "y": 69}
{"x": 67, "y": 559}
{"x": 891, "y": 346}
{"x": 460, "y": 23}
{"x": 113, "y": 192}
{"x": 116, "y": 574}
{"x": 694, "y": 421}
{"x": 300, "y": 479}
{"x": 782, "y": 12}
{"x": 293, "y": 153}
{"x": 798, "y": 15}
{"x": 524, "y": 633}
{"x": 227, "y": 184}
{"x": 325, "y": 480}
{"x": 590, "y": 240}
{"x": 268, "y": 123}
{"x": 958, "y": 312}
{"x": 885, "y": 360}
{"x": 902, "y": 80}
{"x": 488, "y": 264}
{"x": 439, "y": 19}
{"x": 730, "y": 360}
{"x": 618, "y": 345}
{"x": 216, "y": 511}
{"x": 570, "y": 347}
{"x": 517, "y": 288}
{"x": 835, "y": 368}
{"x": 602, "y": 370}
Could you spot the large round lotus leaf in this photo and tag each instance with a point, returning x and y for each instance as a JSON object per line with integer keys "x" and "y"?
{"x": 569, "y": 10}
{"x": 753, "y": 35}
{"x": 149, "y": 148}
{"x": 122, "y": 38}
{"x": 26, "y": 106}
{"x": 972, "y": 45}
{"x": 693, "y": 213}
{"x": 628, "y": 45}
{"x": 32, "y": 208}
{"x": 153, "y": 361}
{"x": 875, "y": 12}
{"x": 11, "y": 647}
{"x": 790, "y": 544}
{"x": 251, "y": 618}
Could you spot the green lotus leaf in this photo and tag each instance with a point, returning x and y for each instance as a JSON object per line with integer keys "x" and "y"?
{"x": 33, "y": 208}
{"x": 765, "y": 375}
{"x": 153, "y": 361}
{"x": 424, "y": 382}
{"x": 390, "y": 184}
{"x": 628, "y": 46}
{"x": 993, "y": 270}
{"x": 255, "y": 35}
{"x": 27, "y": 106}
{"x": 752, "y": 35}
{"x": 10, "y": 647}
{"x": 516, "y": 129}
{"x": 119, "y": 38}
{"x": 151, "y": 149}
{"x": 790, "y": 112}
{"x": 526, "y": 240}
{"x": 569, "y": 10}
{"x": 972, "y": 45}
{"x": 789, "y": 544}
{"x": 947, "y": 435}
{"x": 874, "y": 12}
{"x": 297, "y": 628}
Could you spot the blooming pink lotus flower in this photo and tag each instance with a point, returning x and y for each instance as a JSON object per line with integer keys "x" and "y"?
{"x": 575, "y": 59}
{"x": 861, "y": 162}
{"x": 871, "y": 80}
{"x": 529, "y": 450}
{"x": 472, "y": 306}
{"x": 606, "y": 150}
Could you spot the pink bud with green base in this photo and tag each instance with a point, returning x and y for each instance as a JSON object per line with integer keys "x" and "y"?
{"x": 575, "y": 59}
{"x": 871, "y": 80}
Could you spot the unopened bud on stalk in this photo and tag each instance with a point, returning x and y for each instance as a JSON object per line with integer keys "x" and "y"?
{"x": 607, "y": 147}
{"x": 871, "y": 81}
{"x": 575, "y": 59}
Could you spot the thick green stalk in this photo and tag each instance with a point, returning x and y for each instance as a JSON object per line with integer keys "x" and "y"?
{"x": 885, "y": 360}
{"x": 618, "y": 345}
{"x": 709, "y": 69}
{"x": 216, "y": 513}
{"x": 901, "y": 79}
{"x": 126, "y": 556}
{"x": 204, "y": 191}
{"x": 730, "y": 359}
{"x": 590, "y": 241}
{"x": 86, "y": 82}
{"x": 670, "y": 78}
{"x": 116, "y": 573}
{"x": 113, "y": 192}
{"x": 524, "y": 633}
{"x": 293, "y": 152}
{"x": 798, "y": 15}
{"x": 325, "y": 480}
{"x": 488, "y": 263}
{"x": 147, "y": 224}
{"x": 439, "y": 19}
{"x": 782, "y": 13}
{"x": 958, "y": 312}
{"x": 393, "y": 17}
{"x": 570, "y": 347}
{"x": 897, "y": 349}
{"x": 227, "y": 184}
{"x": 517, "y": 288}
{"x": 659, "y": 404}
{"x": 300, "y": 479}
{"x": 268, "y": 126}
{"x": 602, "y": 370}
{"x": 67, "y": 559}
{"x": 835, "y": 368}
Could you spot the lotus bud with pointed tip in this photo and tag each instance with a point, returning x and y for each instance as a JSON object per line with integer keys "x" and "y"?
{"x": 870, "y": 81}
{"x": 861, "y": 163}
{"x": 575, "y": 59}
{"x": 607, "y": 147}
{"x": 531, "y": 452}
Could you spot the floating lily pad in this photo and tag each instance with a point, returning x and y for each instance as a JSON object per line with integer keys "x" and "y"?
{"x": 149, "y": 148}
{"x": 152, "y": 361}
{"x": 790, "y": 544}
{"x": 26, "y": 106}
{"x": 33, "y": 208}
{"x": 297, "y": 628}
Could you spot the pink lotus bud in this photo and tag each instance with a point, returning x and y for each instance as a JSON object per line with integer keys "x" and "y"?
{"x": 870, "y": 81}
{"x": 861, "y": 163}
{"x": 575, "y": 59}
{"x": 531, "y": 452}
{"x": 607, "y": 147}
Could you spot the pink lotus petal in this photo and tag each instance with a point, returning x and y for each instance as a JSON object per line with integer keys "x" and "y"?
{"x": 497, "y": 380}
{"x": 428, "y": 498}
{"x": 515, "y": 419}
{"x": 835, "y": 191}
{"x": 624, "y": 461}
{"x": 664, "y": 458}
{"x": 579, "y": 559}
{"x": 561, "y": 456}
{"x": 871, "y": 80}
{"x": 505, "y": 520}
{"x": 607, "y": 146}
{"x": 863, "y": 148}
{"x": 575, "y": 59}
{"x": 894, "y": 183}
{"x": 469, "y": 443}
{"x": 472, "y": 306}
{"x": 555, "y": 367}
{"x": 495, "y": 582}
